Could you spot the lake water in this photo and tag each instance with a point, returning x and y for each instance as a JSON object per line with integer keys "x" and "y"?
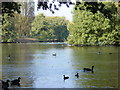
{"x": 38, "y": 68}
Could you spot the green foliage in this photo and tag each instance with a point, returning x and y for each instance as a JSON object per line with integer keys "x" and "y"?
{"x": 15, "y": 27}
{"x": 52, "y": 6}
{"x": 43, "y": 28}
{"x": 10, "y": 21}
{"x": 90, "y": 28}
{"x": 22, "y": 25}
{"x": 8, "y": 34}
{"x": 0, "y": 28}
{"x": 10, "y": 8}
{"x": 49, "y": 28}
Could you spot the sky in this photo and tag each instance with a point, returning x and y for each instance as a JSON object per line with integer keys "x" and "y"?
{"x": 63, "y": 11}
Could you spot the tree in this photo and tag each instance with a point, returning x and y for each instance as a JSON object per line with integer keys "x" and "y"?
{"x": 8, "y": 34}
{"x": 22, "y": 25}
{"x": 49, "y": 28}
{"x": 59, "y": 27}
{"x": 45, "y": 5}
{"x": 93, "y": 27}
{"x": 27, "y": 9}
{"x": 10, "y": 8}
{"x": 118, "y": 16}
{"x": 37, "y": 25}
{"x": 0, "y": 27}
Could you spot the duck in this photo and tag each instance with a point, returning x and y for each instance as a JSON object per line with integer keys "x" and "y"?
{"x": 110, "y": 53}
{"x": 8, "y": 57}
{"x": 77, "y": 75}
{"x": 5, "y": 85}
{"x": 16, "y": 82}
{"x": 54, "y": 54}
{"x": 98, "y": 52}
{"x": 65, "y": 77}
{"x": 88, "y": 69}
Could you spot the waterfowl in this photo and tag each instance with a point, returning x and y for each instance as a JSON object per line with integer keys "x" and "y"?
{"x": 54, "y": 54}
{"x": 5, "y": 85}
{"x": 77, "y": 75}
{"x": 65, "y": 77}
{"x": 88, "y": 69}
{"x": 110, "y": 53}
{"x": 98, "y": 52}
{"x": 8, "y": 57}
{"x": 16, "y": 82}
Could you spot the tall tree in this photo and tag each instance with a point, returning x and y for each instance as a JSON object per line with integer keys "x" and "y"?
{"x": 27, "y": 8}
{"x": 8, "y": 10}
{"x": 8, "y": 34}
{"x": 91, "y": 27}
{"x": 22, "y": 25}
{"x": 27, "y": 13}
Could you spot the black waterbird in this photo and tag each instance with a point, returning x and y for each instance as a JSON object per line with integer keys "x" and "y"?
{"x": 16, "y": 82}
{"x": 8, "y": 57}
{"x": 77, "y": 75}
{"x": 54, "y": 54}
{"x": 65, "y": 77}
{"x": 88, "y": 69}
{"x": 5, "y": 85}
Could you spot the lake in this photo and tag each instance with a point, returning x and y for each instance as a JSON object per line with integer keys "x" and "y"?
{"x": 38, "y": 68}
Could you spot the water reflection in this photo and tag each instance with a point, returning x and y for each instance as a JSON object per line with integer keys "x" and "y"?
{"x": 38, "y": 68}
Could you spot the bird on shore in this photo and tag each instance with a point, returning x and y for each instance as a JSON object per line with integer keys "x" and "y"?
{"x": 88, "y": 69}
{"x": 65, "y": 77}
{"x": 77, "y": 75}
{"x": 5, "y": 85}
{"x": 16, "y": 82}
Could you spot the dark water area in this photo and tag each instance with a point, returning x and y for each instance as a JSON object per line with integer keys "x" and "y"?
{"x": 38, "y": 68}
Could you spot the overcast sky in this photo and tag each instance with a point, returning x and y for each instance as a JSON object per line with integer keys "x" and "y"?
{"x": 63, "y": 11}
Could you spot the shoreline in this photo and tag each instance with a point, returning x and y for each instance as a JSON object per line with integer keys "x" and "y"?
{"x": 69, "y": 45}
{"x": 34, "y": 40}
{"x": 30, "y": 40}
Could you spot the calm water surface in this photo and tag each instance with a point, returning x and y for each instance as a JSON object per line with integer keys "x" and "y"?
{"x": 34, "y": 63}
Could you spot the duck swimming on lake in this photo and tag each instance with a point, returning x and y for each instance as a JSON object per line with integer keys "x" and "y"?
{"x": 88, "y": 69}
{"x": 77, "y": 75}
{"x": 8, "y": 57}
{"x": 54, "y": 54}
{"x": 65, "y": 77}
{"x": 98, "y": 52}
{"x": 5, "y": 85}
{"x": 16, "y": 82}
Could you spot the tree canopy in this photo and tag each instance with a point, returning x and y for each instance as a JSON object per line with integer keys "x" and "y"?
{"x": 49, "y": 28}
{"x": 45, "y": 5}
{"x": 14, "y": 24}
{"x": 10, "y": 8}
{"x": 8, "y": 34}
{"x": 94, "y": 27}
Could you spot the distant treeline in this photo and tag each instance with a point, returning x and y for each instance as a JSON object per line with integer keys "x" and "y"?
{"x": 94, "y": 23}
{"x": 49, "y": 28}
